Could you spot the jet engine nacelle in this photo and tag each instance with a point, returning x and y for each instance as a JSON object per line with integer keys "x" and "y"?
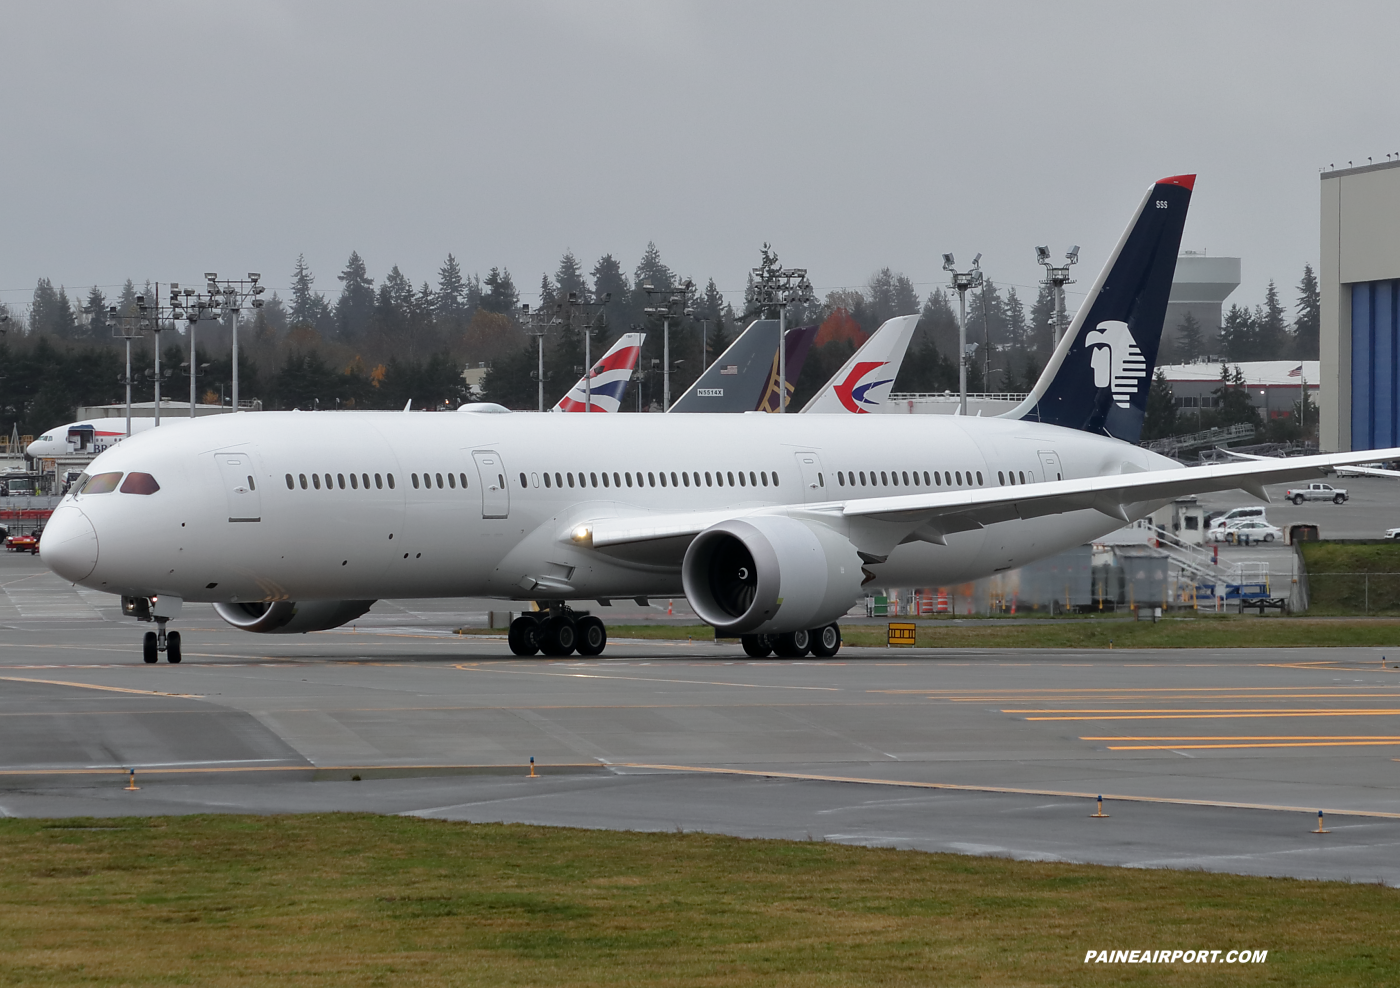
{"x": 769, "y": 575}
{"x": 289, "y": 617}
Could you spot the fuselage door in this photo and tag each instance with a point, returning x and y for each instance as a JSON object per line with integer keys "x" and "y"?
{"x": 1050, "y": 463}
{"x": 809, "y": 465}
{"x": 495, "y": 492}
{"x": 240, "y": 487}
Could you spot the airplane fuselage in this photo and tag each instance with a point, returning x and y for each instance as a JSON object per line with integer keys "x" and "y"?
{"x": 370, "y": 505}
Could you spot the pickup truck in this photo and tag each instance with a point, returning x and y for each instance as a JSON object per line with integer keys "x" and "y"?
{"x": 1315, "y": 492}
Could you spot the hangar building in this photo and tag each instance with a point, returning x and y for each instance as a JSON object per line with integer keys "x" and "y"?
{"x": 1359, "y": 280}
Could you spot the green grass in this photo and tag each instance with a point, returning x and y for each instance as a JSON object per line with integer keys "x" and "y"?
{"x": 1340, "y": 580}
{"x": 372, "y": 900}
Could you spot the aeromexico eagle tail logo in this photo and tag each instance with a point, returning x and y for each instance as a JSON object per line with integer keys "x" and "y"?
{"x": 853, "y": 390}
{"x": 1117, "y": 361}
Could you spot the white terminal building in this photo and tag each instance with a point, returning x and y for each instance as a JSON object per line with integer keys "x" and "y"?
{"x": 1275, "y": 386}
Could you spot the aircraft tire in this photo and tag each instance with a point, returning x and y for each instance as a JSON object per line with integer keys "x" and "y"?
{"x": 793, "y": 644}
{"x": 148, "y": 648}
{"x": 523, "y": 636}
{"x": 172, "y": 648}
{"x": 592, "y": 636}
{"x": 757, "y": 646}
{"x": 558, "y": 637}
{"x": 826, "y": 642}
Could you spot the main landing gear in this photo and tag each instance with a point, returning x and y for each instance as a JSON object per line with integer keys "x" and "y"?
{"x": 821, "y": 642}
{"x": 557, "y": 632}
{"x": 153, "y": 642}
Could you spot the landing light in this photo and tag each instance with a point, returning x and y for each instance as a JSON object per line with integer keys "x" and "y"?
{"x": 583, "y": 535}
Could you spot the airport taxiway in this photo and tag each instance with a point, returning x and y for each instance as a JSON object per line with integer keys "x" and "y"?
{"x": 1216, "y": 759}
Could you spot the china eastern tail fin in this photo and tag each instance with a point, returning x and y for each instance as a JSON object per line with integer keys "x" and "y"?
{"x": 863, "y": 382}
{"x": 1098, "y": 378}
{"x": 606, "y": 382}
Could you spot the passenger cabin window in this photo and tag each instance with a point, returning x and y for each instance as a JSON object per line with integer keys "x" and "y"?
{"x": 390, "y": 478}
{"x": 301, "y": 478}
{"x": 144, "y": 483}
{"x": 354, "y": 482}
{"x": 414, "y": 478}
{"x": 316, "y": 481}
{"x": 291, "y": 484}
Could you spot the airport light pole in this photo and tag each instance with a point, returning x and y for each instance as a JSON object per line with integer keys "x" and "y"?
{"x": 236, "y": 293}
{"x": 537, "y": 324}
{"x": 192, "y": 306}
{"x": 777, "y": 287}
{"x": 596, "y": 312}
{"x": 675, "y": 303}
{"x": 961, "y": 281}
{"x": 1057, "y": 277}
{"x": 125, "y": 329}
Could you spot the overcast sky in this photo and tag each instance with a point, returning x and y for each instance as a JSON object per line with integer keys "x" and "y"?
{"x": 160, "y": 140}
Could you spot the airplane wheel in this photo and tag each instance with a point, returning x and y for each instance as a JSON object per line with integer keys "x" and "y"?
{"x": 757, "y": 646}
{"x": 172, "y": 648}
{"x": 826, "y": 642}
{"x": 592, "y": 636}
{"x": 148, "y": 648}
{"x": 558, "y": 637}
{"x": 524, "y": 636}
{"x": 793, "y": 644}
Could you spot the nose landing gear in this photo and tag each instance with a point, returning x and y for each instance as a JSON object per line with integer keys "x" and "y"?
{"x": 557, "y": 632}
{"x": 153, "y": 642}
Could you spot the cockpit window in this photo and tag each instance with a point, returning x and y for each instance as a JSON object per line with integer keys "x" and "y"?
{"x": 140, "y": 483}
{"x": 102, "y": 483}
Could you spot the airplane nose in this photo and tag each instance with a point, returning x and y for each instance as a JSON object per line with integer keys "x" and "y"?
{"x": 69, "y": 543}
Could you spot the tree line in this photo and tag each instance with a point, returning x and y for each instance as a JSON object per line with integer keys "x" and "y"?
{"x": 380, "y": 345}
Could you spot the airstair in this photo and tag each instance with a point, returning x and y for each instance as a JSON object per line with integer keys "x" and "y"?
{"x": 1204, "y": 577}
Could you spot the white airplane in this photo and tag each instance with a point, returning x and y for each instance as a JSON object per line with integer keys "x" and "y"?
{"x": 84, "y": 436}
{"x": 768, "y": 524}
{"x": 608, "y": 378}
{"x": 863, "y": 383}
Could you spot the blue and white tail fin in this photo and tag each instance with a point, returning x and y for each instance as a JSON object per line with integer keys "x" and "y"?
{"x": 1098, "y": 378}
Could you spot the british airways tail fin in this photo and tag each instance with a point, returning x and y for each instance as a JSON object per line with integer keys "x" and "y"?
{"x": 1097, "y": 379}
{"x": 863, "y": 382}
{"x": 602, "y": 389}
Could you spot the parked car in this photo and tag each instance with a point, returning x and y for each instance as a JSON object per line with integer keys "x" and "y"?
{"x": 1316, "y": 492}
{"x": 1245, "y": 532}
{"x": 1234, "y": 516}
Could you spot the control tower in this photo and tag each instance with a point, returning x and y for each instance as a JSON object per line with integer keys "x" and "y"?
{"x": 1200, "y": 286}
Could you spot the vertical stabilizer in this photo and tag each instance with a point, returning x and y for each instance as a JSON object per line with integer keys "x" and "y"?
{"x": 602, "y": 389}
{"x": 864, "y": 382}
{"x": 1098, "y": 378}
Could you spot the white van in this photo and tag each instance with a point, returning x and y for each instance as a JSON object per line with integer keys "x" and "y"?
{"x": 1237, "y": 515}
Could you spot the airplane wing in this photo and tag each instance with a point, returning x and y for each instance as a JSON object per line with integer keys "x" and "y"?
{"x": 864, "y": 381}
{"x": 880, "y": 523}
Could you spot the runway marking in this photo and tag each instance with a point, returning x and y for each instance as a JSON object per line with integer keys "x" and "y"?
{"x": 1254, "y": 737}
{"x": 1074, "y": 691}
{"x": 222, "y": 767}
{"x": 1204, "y": 715}
{"x": 108, "y": 689}
{"x": 1207, "y": 710}
{"x": 1270, "y": 744}
{"x": 957, "y": 787}
{"x": 472, "y": 667}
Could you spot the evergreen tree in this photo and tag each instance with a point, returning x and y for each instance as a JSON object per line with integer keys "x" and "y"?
{"x": 1042, "y": 319}
{"x": 650, "y": 271}
{"x": 547, "y": 294}
{"x": 1232, "y": 402}
{"x": 64, "y": 323}
{"x": 43, "y": 311}
{"x": 569, "y": 277}
{"x": 711, "y": 302}
{"x": 1190, "y": 345}
{"x": 355, "y": 306}
{"x": 305, "y": 310}
{"x": 1160, "y": 420}
{"x": 1017, "y": 332}
{"x": 1271, "y": 329}
{"x": 1237, "y": 335}
{"x": 938, "y": 324}
{"x": 451, "y": 300}
{"x": 96, "y": 309}
{"x": 500, "y": 295}
{"x": 1309, "y": 309}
